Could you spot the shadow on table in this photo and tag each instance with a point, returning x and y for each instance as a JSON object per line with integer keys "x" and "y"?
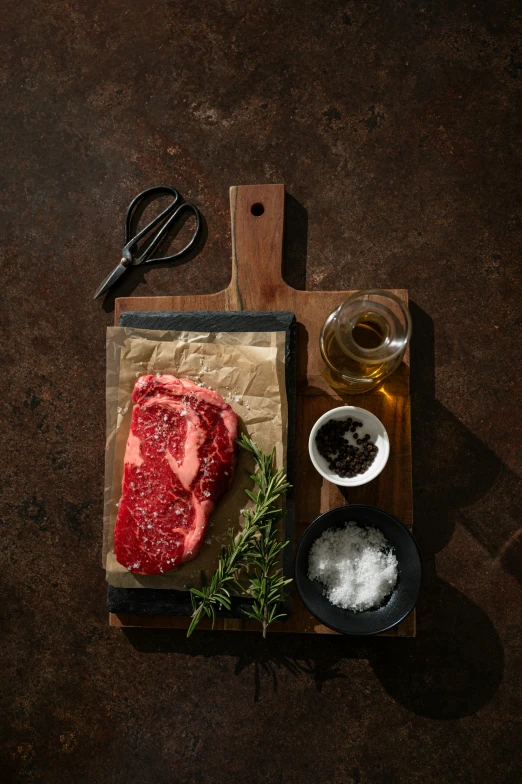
{"x": 455, "y": 665}
{"x": 295, "y": 243}
{"x": 451, "y": 670}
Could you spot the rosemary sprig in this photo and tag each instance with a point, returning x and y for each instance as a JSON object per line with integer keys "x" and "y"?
{"x": 266, "y": 581}
{"x": 253, "y": 550}
{"x": 232, "y": 561}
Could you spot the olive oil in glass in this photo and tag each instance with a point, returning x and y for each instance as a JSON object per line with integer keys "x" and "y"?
{"x": 364, "y": 340}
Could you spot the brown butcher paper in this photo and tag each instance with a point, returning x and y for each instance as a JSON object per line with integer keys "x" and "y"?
{"x": 248, "y": 371}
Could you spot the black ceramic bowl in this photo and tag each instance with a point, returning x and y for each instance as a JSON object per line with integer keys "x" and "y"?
{"x": 403, "y": 599}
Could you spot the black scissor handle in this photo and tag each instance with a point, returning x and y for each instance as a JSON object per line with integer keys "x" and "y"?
{"x": 169, "y": 215}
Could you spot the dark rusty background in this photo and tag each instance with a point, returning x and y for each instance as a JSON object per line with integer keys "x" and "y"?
{"x": 396, "y": 129}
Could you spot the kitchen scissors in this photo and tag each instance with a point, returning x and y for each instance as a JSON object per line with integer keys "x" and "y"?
{"x": 165, "y": 220}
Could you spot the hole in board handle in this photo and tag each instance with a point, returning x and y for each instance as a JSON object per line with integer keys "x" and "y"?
{"x": 257, "y": 209}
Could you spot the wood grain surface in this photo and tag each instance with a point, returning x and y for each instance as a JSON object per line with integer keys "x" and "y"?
{"x": 257, "y": 284}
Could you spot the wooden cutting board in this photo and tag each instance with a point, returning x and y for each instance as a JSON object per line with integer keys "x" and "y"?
{"x": 257, "y": 245}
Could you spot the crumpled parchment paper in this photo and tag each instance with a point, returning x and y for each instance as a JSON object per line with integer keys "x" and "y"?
{"x": 247, "y": 369}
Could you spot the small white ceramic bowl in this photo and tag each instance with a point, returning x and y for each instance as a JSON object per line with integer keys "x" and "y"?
{"x": 371, "y": 425}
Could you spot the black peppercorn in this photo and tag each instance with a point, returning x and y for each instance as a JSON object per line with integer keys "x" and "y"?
{"x": 344, "y": 458}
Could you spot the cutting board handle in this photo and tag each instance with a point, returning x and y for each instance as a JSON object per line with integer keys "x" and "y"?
{"x": 257, "y": 213}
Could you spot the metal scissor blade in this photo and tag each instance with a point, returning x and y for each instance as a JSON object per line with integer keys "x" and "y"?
{"x": 111, "y": 279}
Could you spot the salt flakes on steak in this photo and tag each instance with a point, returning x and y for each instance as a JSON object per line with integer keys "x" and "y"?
{"x": 356, "y": 566}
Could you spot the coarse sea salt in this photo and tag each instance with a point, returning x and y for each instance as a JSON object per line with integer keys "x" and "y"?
{"x": 356, "y": 566}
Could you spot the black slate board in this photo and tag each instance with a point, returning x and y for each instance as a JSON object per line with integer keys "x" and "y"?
{"x": 150, "y": 601}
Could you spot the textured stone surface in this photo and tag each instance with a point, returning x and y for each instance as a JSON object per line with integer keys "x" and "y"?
{"x": 396, "y": 128}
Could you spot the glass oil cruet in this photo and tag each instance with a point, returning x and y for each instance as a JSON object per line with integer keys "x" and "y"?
{"x": 364, "y": 340}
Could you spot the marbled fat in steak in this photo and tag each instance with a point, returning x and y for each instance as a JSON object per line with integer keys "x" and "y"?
{"x": 179, "y": 461}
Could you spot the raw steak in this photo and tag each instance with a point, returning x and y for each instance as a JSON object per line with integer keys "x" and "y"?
{"x": 179, "y": 461}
